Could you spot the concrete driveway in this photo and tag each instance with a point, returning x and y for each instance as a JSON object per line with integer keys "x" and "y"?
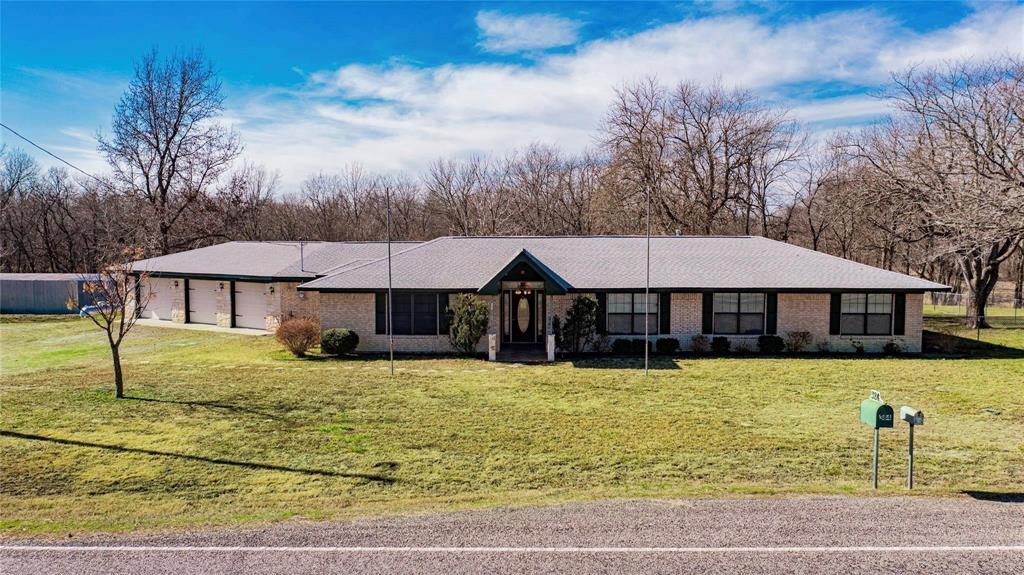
{"x": 775, "y": 535}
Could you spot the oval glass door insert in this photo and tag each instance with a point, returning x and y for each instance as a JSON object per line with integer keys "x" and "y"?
{"x": 523, "y": 315}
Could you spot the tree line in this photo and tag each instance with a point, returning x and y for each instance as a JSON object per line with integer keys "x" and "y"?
{"x": 935, "y": 189}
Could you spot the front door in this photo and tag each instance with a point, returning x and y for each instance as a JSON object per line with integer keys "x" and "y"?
{"x": 522, "y": 316}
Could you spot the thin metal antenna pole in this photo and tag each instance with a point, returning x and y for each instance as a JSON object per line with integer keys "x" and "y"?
{"x": 647, "y": 289}
{"x": 391, "y": 334}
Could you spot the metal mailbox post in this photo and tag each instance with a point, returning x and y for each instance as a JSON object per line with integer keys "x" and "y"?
{"x": 877, "y": 414}
{"x": 912, "y": 417}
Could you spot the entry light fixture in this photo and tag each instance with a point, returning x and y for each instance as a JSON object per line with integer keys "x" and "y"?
{"x": 271, "y": 289}
{"x": 175, "y": 283}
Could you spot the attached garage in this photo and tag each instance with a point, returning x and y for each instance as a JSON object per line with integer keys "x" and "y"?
{"x": 161, "y": 299}
{"x": 202, "y": 301}
{"x": 251, "y": 305}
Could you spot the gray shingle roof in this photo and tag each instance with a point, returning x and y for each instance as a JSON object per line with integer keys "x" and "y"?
{"x": 617, "y": 262}
{"x": 268, "y": 259}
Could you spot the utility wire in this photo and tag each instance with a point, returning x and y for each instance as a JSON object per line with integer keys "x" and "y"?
{"x": 51, "y": 154}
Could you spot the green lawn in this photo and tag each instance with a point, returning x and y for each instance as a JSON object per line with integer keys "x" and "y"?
{"x": 225, "y": 429}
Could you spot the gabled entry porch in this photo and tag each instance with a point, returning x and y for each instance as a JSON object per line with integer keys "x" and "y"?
{"x": 523, "y": 287}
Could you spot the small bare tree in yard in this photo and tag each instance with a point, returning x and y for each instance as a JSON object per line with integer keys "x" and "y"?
{"x": 117, "y": 297}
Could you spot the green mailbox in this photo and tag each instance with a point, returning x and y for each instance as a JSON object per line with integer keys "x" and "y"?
{"x": 875, "y": 413}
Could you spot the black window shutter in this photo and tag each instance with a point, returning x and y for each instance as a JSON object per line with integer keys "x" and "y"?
{"x": 443, "y": 323}
{"x": 771, "y": 319}
{"x": 835, "y": 307}
{"x": 602, "y": 313}
{"x": 707, "y": 313}
{"x": 665, "y": 309}
{"x": 381, "y": 312}
{"x": 899, "y": 311}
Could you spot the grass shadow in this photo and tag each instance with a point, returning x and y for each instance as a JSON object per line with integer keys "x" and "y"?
{"x": 372, "y": 477}
{"x": 211, "y": 405}
{"x": 624, "y": 362}
{"x": 997, "y": 496}
{"x": 946, "y": 344}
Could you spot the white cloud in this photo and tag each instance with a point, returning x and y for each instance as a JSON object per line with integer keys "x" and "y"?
{"x": 845, "y": 109}
{"x": 395, "y": 116}
{"x": 398, "y": 117}
{"x": 508, "y": 34}
{"x": 994, "y": 30}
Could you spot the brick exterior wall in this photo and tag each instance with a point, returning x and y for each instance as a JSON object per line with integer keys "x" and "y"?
{"x": 288, "y": 302}
{"x": 224, "y": 305}
{"x": 178, "y": 312}
{"x": 686, "y": 317}
{"x": 357, "y": 312}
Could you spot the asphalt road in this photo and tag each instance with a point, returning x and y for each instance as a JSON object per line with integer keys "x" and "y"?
{"x": 776, "y": 535}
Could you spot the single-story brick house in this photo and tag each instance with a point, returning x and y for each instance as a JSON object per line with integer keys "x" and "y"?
{"x": 738, "y": 287}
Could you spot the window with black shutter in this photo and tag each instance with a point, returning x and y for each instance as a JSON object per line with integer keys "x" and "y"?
{"x": 626, "y": 313}
{"x": 866, "y": 314}
{"x": 739, "y": 313}
{"x": 416, "y": 313}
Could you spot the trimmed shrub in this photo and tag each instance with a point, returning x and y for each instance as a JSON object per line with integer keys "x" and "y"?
{"x": 579, "y": 330}
{"x": 858, "y": 347}
{"x": 700, "y": 344}
{"x": 797, "y": 341}
{"x": 622, "y": 346}
{"x": 667, "y": 345}
{"x": 298, "y": 335}
{"x": 638, "y": 346}
{"x": 469, "y": 318}
{"x": 891, "y": 348}
{"x": 742, "y": 346}
{"x": 338, "y": 341}
{"x": 771, "y": 344}
{"x": 720, "y": 345}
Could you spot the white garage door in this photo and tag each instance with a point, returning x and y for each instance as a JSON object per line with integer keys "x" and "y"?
{"x": 161, "y": 298}
{"x": 251, "y": 305}
{"x": 202, "y": 301}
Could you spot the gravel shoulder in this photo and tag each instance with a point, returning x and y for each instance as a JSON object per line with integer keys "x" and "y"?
{"x": 769, "y": 535}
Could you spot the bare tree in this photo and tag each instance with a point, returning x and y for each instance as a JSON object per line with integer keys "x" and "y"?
{"x": 118, "y": 296}
{"x": 952, "y": 162}
{"x": 636, "y": 130}
{"x": 712, "y": 135}
{"x": 167, "y": 146}
{"x": 775, "y": 146}
{"x": 814, "y": 178}
{"x": 244, "y": 201}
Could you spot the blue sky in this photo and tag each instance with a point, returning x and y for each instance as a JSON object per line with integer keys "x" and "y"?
{"x": 314, "y": 86}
